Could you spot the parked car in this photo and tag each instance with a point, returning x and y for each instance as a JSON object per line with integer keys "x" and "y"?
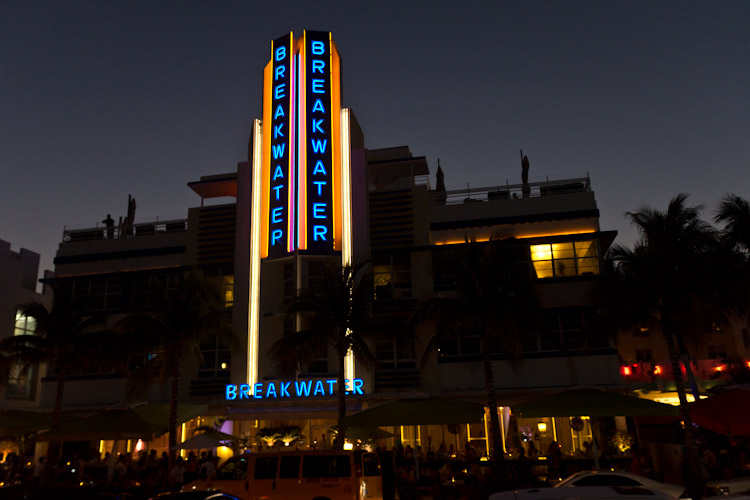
{"x": 618, "y": 478}
{"x": 194, "y": 495}
{"x": 585, "y": 493}
{"x": 729, "y": 486}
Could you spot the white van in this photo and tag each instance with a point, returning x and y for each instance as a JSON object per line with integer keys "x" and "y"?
{"x": 299, "y": 475}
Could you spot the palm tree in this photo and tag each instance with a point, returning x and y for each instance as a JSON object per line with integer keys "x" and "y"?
{"x": 493, "y": 298}
{"x": 65, "y": 335}
{"x": 177, "y": 322}
{"x": 674, "y": 278}
{"x": 734, "y": 213}
{"x": 338, "y": 314}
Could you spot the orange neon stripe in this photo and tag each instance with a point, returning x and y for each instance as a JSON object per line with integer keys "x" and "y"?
{"x": 335, "y": 78}
{"x": 266, "y": 158}
{"x": 291, "y": 171}
{"x": 302, "y": 166}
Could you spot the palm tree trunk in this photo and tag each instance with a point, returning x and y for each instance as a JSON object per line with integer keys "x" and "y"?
{"x": 173, "y": 400}
{"x": 691, "y": 469}
{"x": 495, "y": 435}
{"x": 342, "y": 396}
{"x": 53, "y": 445}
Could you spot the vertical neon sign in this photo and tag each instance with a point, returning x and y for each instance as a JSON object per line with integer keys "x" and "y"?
{"x": 281, "y": 173}
{"x": 319, "y": 146}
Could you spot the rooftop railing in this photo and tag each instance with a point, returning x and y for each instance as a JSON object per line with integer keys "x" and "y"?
{"x": 102, "y": 231}
{"x": 539, "y": 187}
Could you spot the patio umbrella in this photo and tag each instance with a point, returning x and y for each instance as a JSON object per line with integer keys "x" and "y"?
{"x": 199, "y": 442}
{"x": 593, "y": 403}
{"x": 218, "y": 435}
{"x": 365, "y": 433}
{"x": 16, "y": 422}
{"x": 157, "y": 414}
{"x": 107, "y": 424}
{"x": 424, "y": 411}
{"x": 726, "y": 413}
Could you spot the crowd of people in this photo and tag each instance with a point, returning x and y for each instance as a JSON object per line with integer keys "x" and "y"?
{"x": 148, "y": 471}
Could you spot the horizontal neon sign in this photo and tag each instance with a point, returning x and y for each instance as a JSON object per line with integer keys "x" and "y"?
{"x": 297, "y": 389}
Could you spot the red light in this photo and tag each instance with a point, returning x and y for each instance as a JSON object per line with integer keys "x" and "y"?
{"x": 626, "y": 370}
{"x": 720, "y": 368}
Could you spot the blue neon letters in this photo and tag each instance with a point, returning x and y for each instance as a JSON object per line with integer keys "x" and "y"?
{"x": 297, "y": 389}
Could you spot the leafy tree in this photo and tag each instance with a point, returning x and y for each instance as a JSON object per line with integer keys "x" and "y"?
{"x": 734, "y": 213}
{"x": 176, "y": 323}
{"x": 675, "y": 278}
{"x": 339, "y": 314}
{"x": 494, "y": 298}
{"x": 66, "y": 337}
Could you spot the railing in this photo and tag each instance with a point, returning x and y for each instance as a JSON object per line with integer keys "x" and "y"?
{"x": 103, "y": 231}
{"x": 540, "y": 187}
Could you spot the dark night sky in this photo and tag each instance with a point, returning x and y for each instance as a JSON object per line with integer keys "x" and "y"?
{"x": 105, "y": 98}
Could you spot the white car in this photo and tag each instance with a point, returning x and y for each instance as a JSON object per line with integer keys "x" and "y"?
{"x": 619, "y": 478}
{"x": 585, "y": 493}
{"x": 729, "y": 486}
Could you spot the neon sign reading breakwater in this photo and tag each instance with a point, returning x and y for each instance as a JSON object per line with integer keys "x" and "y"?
{"x": 296, "y": 389}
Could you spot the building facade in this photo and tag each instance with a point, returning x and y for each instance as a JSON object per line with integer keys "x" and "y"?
{"x": 312, "y": 196}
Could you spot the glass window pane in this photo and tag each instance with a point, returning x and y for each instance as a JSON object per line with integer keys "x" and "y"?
{"x": 265, "y": 467}
{"x": 585, "y": 248}
{"x": 565, "y": 267}
{"x": 540, "y": 252}
{"x": 588, "y": 265}
{"x": 543, "y": 269}
{"x": 562, "y": 251}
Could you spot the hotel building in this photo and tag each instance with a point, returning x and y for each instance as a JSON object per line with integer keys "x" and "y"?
{"x": 311, "y": 195}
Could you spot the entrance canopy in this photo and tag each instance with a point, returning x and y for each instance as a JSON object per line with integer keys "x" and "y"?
{"x": 425, "y": 411}
{"x": 593, "y": 403}
{"x": 727, "y": 413}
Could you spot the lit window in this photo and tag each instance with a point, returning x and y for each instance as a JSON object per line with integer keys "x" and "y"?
{"x": 556, "y": 260}
{"x": 25, "y": 325}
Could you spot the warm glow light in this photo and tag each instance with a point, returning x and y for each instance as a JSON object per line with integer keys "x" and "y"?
{"x": 346, "y": 216}
{"x": 542, "y": 426}
{"x": 255, "y": 255}
{"x": 223, "y": 366}
{"x": 348, "y": 446}
{"x": 748, "y": 364}
{"x": 139, "y": 445}
{"x": 657, "y": 370}
{"x": 518, "y": 235}
{"x": 720, "y": 368}
{"x": 626, "y": 370}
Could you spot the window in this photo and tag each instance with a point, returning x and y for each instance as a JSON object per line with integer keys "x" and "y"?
{"x": 395, "y": 355}
{"x": 233, "y": 469}
{"x": 556, "y": 260}
{"x": 20, "y": 380}
{"x": 25, "y": 325}
{"x": 717, "y": 352}
{"x": 100, "y": 294}
{"x": 317, "y": 276}
{"x": 326, "y": 466}
{"x": 265, "y": 467}
{"x": 641, "y": 331}
{"x": 392, "y": 276}
{"x": 289, "y": 468}
{"x": 643, "y": 355}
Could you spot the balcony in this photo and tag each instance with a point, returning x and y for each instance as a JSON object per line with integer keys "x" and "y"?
{"x": 138, "y": 229}
{"x": 542, "y": 187}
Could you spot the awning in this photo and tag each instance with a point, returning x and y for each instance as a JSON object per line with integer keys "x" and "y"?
{"x": 593, "y": 403}
{"x": 199, "y": 442}
{"x": 107, "y": 424}
{"x": 424, "y": 411}
{"x": 727, "y": 413}
{"x": 16, "y": 422}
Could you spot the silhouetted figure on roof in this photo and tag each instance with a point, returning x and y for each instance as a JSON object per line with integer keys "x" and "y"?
{"x": 440, "y": 186}
{"x": 109, "y": 222}
{"x": 525, "y": 175}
